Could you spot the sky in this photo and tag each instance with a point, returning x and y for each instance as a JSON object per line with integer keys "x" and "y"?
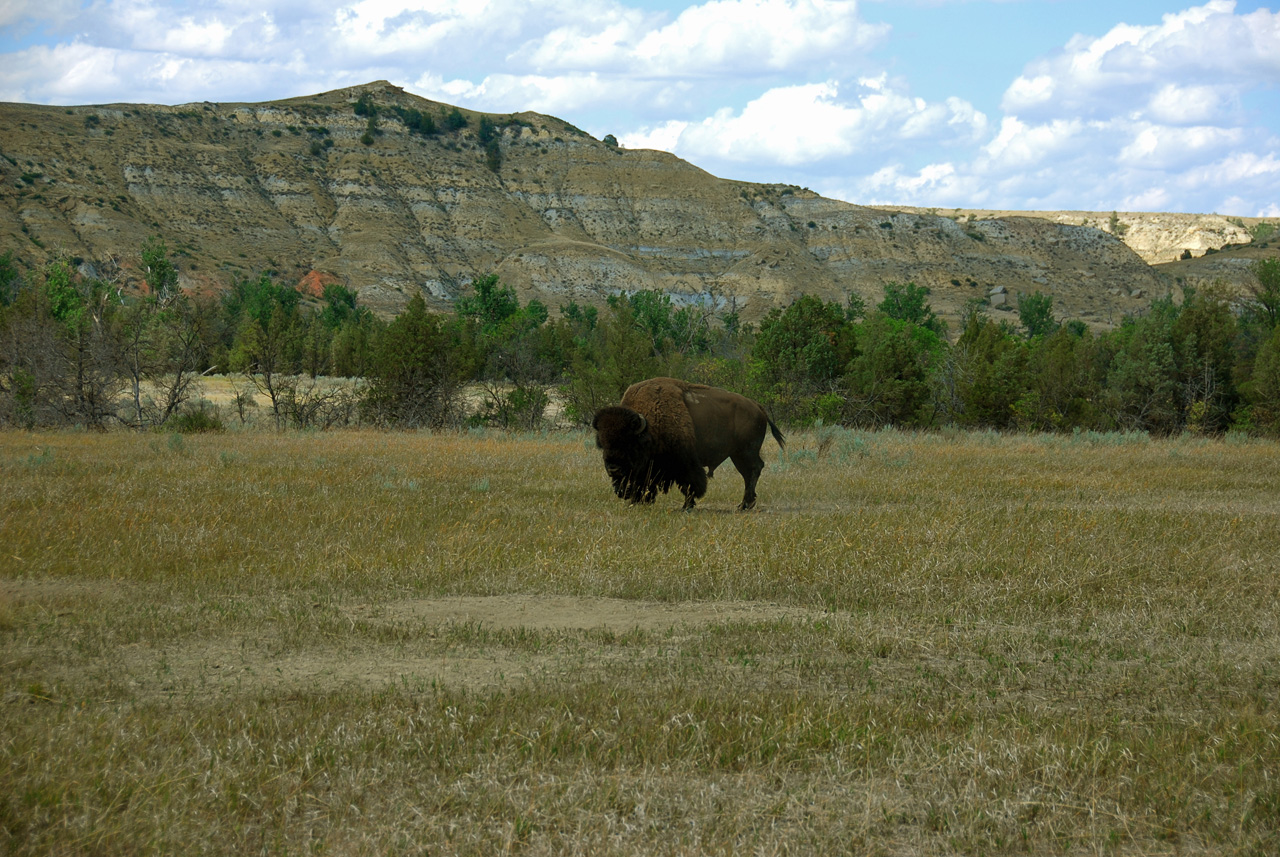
{"x": 1126, "y": 105}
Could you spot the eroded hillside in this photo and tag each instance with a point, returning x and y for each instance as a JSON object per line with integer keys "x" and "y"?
{"x": 307, "y": 189}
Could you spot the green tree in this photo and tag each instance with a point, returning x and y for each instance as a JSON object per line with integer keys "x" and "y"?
{"x": 1064, "y": 382}
{"x": 1262, "y": 390}
{"x": 88, "y": 376}
{"x": 910, "y": 303}
{"x": 353, "y": 344}
{"x": 158, "y": 270}
{"x": 1142, "y": 380}
{"x": 164, "y": 348}
{"x": 811, "y": 340}
{"x": 415, "y": 380}
{"x": 989, "y": 374}
{"x": 611, "y": 355}
{"x": 257, "y": 299}
{"x": 798, "y": 358}
{"x": 889, "y": 381}
{"x": 1265, "y": 303}
{"x": 1204, "y": 337}
{"x": 491, "y": 304}
{"x": 340, "y": 305}
{"x": 1035, "y": 311}
{"x": 269, "y": 342}
{"x": 32, "y": 348}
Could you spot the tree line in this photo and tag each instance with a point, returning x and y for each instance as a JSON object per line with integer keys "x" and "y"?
{"x": 75, "y": 349}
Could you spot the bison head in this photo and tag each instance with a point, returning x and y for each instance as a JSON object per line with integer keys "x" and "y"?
{"x": 622, "y": 436}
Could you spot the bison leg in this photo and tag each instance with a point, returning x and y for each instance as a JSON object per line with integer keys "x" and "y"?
{"x": 694, "y": 483}
{"x": 750, "y": 465}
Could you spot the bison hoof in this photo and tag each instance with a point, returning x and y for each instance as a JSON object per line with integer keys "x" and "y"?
{"x": 744, "y": 506}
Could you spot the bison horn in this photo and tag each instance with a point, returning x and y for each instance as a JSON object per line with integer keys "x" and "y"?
{"x": 643, "y": 424}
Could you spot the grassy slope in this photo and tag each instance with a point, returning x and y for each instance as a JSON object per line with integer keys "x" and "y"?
{"x": 1006, "y": 643}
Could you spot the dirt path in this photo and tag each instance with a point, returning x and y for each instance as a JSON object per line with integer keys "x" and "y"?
{"x": 467, "y": 642}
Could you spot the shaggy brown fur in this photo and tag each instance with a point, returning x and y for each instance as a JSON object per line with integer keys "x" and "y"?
{"x": 669, "y": 432}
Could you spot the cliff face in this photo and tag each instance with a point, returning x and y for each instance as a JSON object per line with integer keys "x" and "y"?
{"x": 290, "y": 187}
{"x": 1157, "y": 237}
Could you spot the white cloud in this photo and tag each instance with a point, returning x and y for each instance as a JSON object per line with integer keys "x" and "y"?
{"x": 1152, "y": 199}
{"x": 717, "y": 38}
{"x": 15, "y": 13}
{"x": 934, "y": 185}
{"x": 755, "y": 35}
{"x": 1192, "y": 62}
{"x": 382, "y": 27}
{"x": 1186, "y": 105}
{"x": 665, "y": 136}
{"x": 803, "y": 124}
{"x": 505, "y": 93}
{"x": 1027, "y": 92}
{"x": 1165, "y": 148}
{"x": 1019, "y": 146}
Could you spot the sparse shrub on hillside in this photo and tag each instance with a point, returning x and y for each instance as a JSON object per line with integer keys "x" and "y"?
{"x": 364, "y": 106}
{"x": 416, "y": 121}
{"x": 1116, "y": 227}
{"x": 454, "y": 120}
{"x": 370, "y": 131}
{"x": 10, "y": 279}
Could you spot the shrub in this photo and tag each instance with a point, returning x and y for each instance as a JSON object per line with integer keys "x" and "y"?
{"x": 198, "y": 420}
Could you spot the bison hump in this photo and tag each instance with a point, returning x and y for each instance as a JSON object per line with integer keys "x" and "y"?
{"x": 662, "y": 402}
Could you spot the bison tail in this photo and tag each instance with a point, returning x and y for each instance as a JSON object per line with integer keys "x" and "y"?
{"x": 777, "y": 435}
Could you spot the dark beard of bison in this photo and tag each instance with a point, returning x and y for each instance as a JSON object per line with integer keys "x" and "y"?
{"x": 639, "y": 485}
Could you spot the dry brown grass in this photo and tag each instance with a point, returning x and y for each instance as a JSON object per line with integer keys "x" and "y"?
{"x": 919, "y": 644}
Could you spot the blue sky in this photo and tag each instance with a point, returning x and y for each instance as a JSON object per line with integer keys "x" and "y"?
{"x": 1014, "y": 104}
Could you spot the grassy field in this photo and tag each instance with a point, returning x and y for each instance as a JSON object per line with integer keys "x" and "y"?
{"x": 372, "y": 643}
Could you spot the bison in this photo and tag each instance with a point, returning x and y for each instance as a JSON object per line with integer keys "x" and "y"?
{"x": 668, "y": 432}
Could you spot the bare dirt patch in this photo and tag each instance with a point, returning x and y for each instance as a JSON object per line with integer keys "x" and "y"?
{"x": 465, "y": 642}
{"x": 479, "y": 664}
{"x": 551, "y": 612}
